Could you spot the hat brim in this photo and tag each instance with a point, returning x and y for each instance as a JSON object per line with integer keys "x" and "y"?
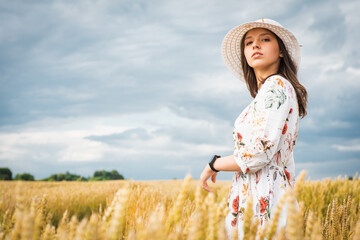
{"x": 231, "y": 49}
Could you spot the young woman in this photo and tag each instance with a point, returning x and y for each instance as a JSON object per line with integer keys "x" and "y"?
{"x": 266, "y": 56}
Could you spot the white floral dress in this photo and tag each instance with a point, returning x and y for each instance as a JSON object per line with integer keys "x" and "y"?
{"x": 264, "y": 135}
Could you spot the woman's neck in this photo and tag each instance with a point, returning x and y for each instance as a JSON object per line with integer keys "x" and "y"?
{"x": 262, "y": 75}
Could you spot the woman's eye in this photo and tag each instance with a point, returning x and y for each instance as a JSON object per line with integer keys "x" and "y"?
{"x": 248, "y": 43}
{"x": 266, "y": 39}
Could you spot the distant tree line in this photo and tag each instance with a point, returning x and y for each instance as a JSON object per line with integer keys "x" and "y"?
{"x": 6, "y": 174}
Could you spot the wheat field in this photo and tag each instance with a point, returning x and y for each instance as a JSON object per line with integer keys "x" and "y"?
{"x": 176, "y": 209}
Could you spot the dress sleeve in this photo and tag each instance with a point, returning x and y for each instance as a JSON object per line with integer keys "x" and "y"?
{"x": 270, "y": 110}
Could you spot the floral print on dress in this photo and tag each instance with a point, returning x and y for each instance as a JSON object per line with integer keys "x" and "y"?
{"x": 264, "y": 136}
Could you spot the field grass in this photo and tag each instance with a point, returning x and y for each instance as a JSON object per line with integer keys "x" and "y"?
{"x": 175, "y": 209}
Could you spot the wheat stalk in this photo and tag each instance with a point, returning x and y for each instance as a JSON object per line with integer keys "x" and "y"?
{"x": 275, "y": 218}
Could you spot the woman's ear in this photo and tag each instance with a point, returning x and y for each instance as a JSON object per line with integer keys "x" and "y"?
{"x": 281, "y": 54}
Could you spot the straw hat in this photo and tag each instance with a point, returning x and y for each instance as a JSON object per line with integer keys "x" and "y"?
{"x": 230, "y": 48}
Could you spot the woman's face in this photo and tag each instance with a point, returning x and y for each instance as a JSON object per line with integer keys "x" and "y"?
{"x": 261, "y": 50}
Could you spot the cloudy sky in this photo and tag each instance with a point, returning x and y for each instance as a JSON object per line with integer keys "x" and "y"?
{"x": 140, "y": 87}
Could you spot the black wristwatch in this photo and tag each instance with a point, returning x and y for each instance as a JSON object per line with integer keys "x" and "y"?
{"x": 211, "y": 163}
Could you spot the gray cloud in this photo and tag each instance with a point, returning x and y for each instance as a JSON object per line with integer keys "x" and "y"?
{"x": 128, "y": 135}
{"x": 98, "y": 76}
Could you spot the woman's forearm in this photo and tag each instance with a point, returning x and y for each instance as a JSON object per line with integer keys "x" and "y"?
{"x": 226, "y": 164}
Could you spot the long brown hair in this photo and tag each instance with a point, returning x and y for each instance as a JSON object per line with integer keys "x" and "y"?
{"x": 287, "y": 69}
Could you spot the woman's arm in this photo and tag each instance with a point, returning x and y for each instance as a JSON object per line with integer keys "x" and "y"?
{"x": 221, "y": 164}
{"x": 226, "y": 164}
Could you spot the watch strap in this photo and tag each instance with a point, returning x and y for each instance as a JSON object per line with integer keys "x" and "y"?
{"x": 211, "y": 163}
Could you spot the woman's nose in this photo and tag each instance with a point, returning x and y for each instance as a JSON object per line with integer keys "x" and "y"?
{"x": 256, "y": 44}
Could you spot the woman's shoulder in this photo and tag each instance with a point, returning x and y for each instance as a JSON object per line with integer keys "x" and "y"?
{"x": 279, "y": 82}
{"x": 278, "y": 79}
{"x": 279, "y": 85}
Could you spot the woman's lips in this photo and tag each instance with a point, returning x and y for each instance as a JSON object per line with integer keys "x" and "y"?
{"x": 257, "y": 54}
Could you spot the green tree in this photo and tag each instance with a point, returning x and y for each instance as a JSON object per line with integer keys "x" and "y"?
{"x": 116, "y": 175}
{"x": 65, "y": 177}
{"x": 5, "y": 174}
{"x": 24, "y": 177}
{"x": 105, "y": 175}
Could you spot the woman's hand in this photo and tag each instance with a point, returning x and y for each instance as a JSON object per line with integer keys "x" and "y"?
{"x": 205, "y": 175}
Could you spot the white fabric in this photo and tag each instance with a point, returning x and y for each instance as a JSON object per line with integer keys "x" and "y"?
{"x": 264, "y": 137}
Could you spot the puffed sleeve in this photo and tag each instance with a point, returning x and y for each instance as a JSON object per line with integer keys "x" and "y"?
{"x": 270, "y": 110}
